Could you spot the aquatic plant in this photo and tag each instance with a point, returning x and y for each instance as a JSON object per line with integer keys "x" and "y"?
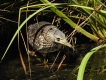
{"x": 90, "y": 13}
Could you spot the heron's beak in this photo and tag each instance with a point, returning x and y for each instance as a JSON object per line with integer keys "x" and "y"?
{"x": 66, "y": 43}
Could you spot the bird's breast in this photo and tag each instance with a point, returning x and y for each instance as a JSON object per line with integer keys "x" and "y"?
{"x": 41, "y": 37}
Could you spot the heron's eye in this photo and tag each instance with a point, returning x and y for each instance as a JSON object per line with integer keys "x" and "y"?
{"x": 51, "y": 29}
{"x": 58, "y": 39}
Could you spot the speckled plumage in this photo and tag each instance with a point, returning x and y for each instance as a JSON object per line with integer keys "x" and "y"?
{"x": 42, "y": 37}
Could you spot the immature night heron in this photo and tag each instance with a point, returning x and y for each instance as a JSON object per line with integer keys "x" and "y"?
{"x": 45, "y": 37}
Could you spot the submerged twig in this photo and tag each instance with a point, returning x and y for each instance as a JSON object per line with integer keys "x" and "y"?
{"x": 61, "y": 63}
{"x": 54, "y": 61}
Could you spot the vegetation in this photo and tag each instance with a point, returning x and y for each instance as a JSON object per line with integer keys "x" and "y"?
{"x": 89, "y": 14}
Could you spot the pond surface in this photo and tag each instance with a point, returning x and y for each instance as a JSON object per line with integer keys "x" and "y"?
{"x": 95, "y": 70}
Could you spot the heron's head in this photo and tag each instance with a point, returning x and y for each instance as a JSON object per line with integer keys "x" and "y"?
{"x": 59, "y": 37}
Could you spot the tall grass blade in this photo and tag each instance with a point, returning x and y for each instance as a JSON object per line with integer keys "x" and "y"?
{"x": 85, "y": 60}
{"x": 20, "y": 29}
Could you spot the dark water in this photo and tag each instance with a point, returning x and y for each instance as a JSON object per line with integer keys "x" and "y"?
{"x": 11, "y": 69}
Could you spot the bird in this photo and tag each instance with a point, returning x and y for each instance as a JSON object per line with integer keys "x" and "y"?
{"x": 45, "y": 38}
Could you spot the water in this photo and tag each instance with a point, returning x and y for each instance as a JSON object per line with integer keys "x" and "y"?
{"x": 95, "y": 70}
